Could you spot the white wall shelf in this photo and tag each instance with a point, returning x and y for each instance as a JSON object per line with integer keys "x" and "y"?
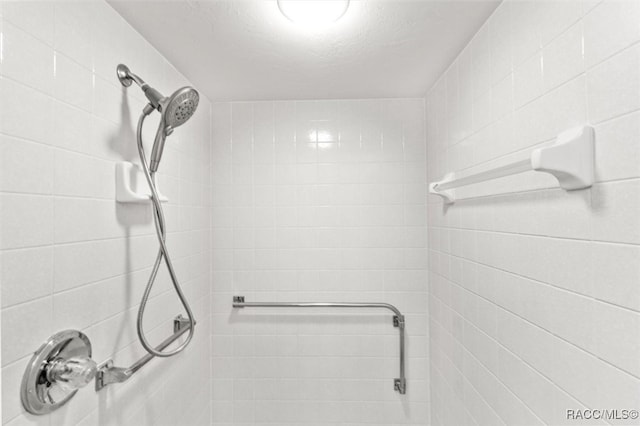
{"x": 131, "y": 185}
{"x": 570, "y": 160}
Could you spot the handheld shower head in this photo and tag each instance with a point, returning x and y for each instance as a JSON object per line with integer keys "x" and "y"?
{"x": 180, "y": 106}
{"x": 175, "y": 110}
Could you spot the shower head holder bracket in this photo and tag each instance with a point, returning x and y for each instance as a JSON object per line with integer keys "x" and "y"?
{"x": 131, "y": 185}
{"x": 123, "y": 73}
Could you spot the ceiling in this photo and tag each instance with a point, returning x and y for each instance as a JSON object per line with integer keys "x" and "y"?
{"x": 247, "y": 50}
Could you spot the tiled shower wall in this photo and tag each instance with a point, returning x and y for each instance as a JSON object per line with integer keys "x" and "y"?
{"x": 534, "y": 295}
{"x": 318, "y": 201}
{"x": 71, "y": 256}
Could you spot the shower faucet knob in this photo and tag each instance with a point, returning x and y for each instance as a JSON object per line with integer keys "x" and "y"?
{"x": 60, "y": 367}
{"x": 72, "y": 373}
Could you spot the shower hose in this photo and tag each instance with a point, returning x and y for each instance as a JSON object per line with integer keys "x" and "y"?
{"x": 163, "y": 253}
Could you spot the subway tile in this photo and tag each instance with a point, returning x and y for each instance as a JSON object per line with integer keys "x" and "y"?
{"x": 20, "y": 48}
{"x": 502, "y": 98}
{"x": 482, "y": 111}
{"x": 18, "y": 120}
{"x": 563, "y": 58}
{"x": 481, "y": 63}
{"x": 81, "y": 263}
{"x": 566, "y": 365}
{"x": 528, "y": 80}
{"x": 73, "y": 83}
{"x": 557, "y": 17}
{"x": 27, "y": 220}
{"x": 617, "y": 148}
{"x": 110, "y": 101}
{"x": 608, "y": 28}
{"x": 26, "y": 166}
{"x": 25, "y": 327}
{"x": 478, "y": 407}
{"x": 33, "y": 17}
{"x": 72, "y": 127}
{"x": 542, "y": 395}
{"x": 535, "y": 125}
{"x": 501, "y": 44}
{"x": 12, "y": 410}
{"x": 27, "y": 274}
{"x": 73, "y": 28}
{"x": 614, "y": 86}
{"x": 588, "y": 5}
{"x": 86, "y": 219}
{"x": 614, "y": 207}
{"x": 108, "y": 40}
{"x": 525, "y": 30}
{"x": 617, "y": 337}
{"x": 504, "y": 402}
{"x": 615, "y": 274}
{"x": 97, "y": 176}
{"x": 86, "y": 305}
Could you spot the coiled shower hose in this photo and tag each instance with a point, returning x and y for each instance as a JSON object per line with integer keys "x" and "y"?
{"x": 162, "y": 253}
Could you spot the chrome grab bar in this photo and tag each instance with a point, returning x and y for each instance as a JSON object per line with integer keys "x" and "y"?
{"x": 400, "y": 383}
{"x": 109, "y": 374}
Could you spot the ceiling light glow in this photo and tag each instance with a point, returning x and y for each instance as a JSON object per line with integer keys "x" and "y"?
{"x": 313, "y": 13}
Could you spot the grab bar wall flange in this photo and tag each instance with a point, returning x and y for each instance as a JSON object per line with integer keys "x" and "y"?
{"x": 400, "y": 383}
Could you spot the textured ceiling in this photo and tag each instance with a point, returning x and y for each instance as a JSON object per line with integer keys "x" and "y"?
{"x": 247, "y": 50}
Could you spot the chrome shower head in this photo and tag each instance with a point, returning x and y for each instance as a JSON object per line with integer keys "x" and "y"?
{"x": 179, "y": 108}
{"x": 175, "y": 109}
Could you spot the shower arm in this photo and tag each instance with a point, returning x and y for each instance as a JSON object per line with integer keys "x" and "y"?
{"x": 126, "y": 77}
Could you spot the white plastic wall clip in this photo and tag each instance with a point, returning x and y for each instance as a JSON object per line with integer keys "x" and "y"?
{"x": 131, "y": 185}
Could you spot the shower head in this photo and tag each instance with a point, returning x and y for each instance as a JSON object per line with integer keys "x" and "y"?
{"x": 180, "y": 106}
{"x": 175, "y": 110}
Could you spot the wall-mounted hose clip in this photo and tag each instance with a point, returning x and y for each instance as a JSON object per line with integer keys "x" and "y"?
{"x": 131, "y": 185}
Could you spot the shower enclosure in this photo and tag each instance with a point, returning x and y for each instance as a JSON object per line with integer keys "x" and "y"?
{"x": 363, "y": 241}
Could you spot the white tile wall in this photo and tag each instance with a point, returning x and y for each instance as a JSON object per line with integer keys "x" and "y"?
{"x": 534, "y": 304}
{"x": 71, "y": 256}
{"x": 318, "y": 201}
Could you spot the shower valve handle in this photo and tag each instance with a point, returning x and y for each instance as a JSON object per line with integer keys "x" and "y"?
{"x": 72, "y": 373}
{"x": 58, "y": 368}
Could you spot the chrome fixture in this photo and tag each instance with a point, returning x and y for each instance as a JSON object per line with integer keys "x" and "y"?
{"x": 109, "y": 374}
{"x": 60, "y": 367}
{"x": 175, "y": 110}
{"x": 400, "y": 383}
